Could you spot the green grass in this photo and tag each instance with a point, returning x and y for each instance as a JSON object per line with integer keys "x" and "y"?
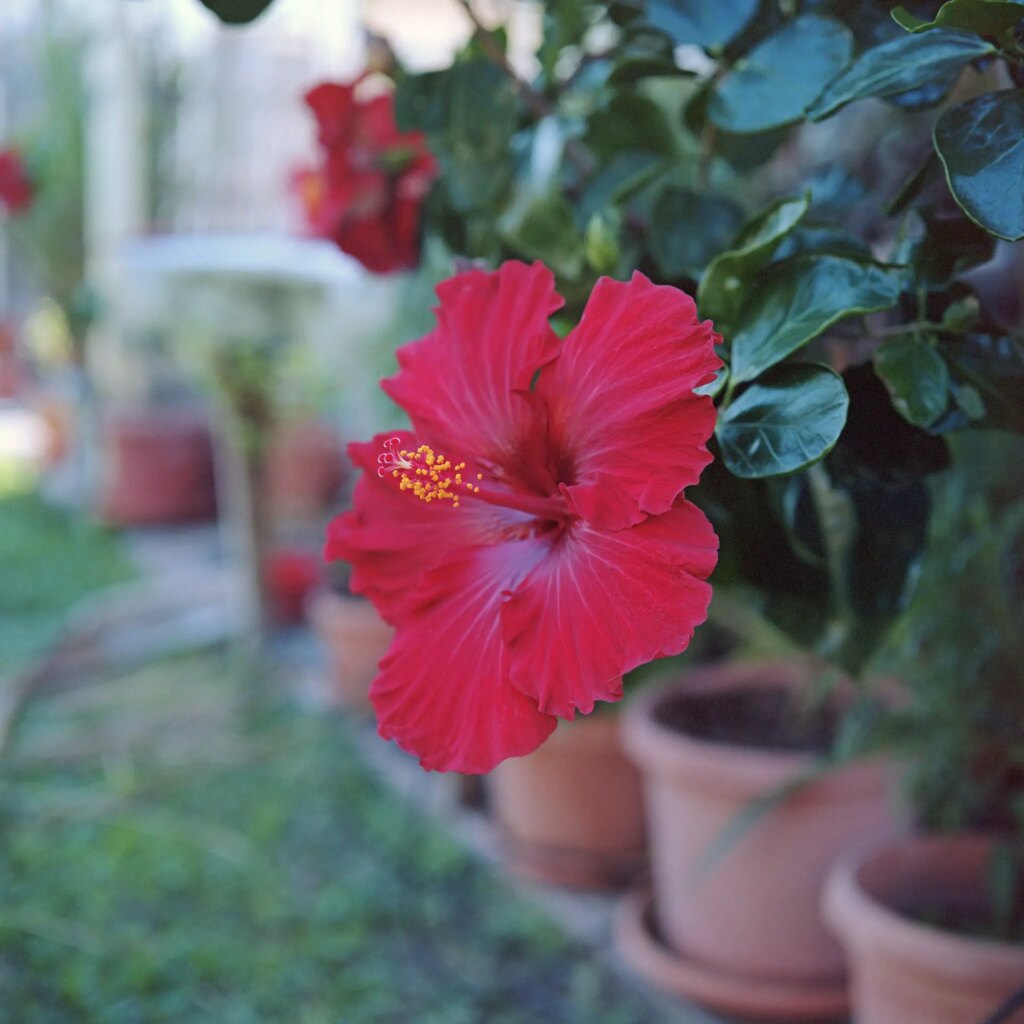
{"x": 171, "y": 855}
{"x": 48, "y": 561}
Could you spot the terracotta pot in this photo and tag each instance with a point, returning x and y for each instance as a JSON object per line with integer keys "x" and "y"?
{"x": 356, "y": 638}
{"x": 572, "y": 811}
{"x": 747, "y": 908}
{"x": 306, "y": 468}
{"x": 906, "y": 972}
{"x": 158, "y": 468}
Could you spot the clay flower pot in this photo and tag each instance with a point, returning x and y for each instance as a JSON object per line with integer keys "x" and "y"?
{"x": 903, "y": 970}
{"x": 356, "y": 638}
{"x": 306, "y": 468}
{"x": 740, "y": 918}
{"x": 571, "y": 812}
{"x": 158, "y": 468}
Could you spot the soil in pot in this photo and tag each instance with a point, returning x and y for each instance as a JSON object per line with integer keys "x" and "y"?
{"x": 742, "y": 901}
{"x": 909, "y": 914}
{"x": 571, "y": 813}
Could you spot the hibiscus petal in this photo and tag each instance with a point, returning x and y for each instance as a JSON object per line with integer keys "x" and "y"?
{"x": 603, "y": 602}
{"x": 458, "y": 384}
{"x": 443, "y": 691}
{"x": 625, "y": 423}
{"x": 391, "y": 538}
{"x": 332, "y": 104}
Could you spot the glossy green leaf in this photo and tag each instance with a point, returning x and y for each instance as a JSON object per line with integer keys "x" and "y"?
{"x": 543, "y": 228}
{"x": 629, "y": 122}
{"x": 981, "y": 145}
{"x": 622, "y": 177}
{"x": 916, "y": 377}
{"x": 799, "y": 299}
{"x": 992, "y": 365}
{"x": 823, "y": 239}
{"x": 644, "y": 53}
{"x": 721, "y": 290}
{"x": 950, "y": 244}
{"x": 789, "y": 419}
{"x": 899, "y": 66}
{"x": 237, "y": 12}
{"x": 698, "y": 22}
{"x": 469, "y": 113}
{"x": 982, "y": 17}
{"x": 687, "y": 228}
{"x": 781, "y": 75}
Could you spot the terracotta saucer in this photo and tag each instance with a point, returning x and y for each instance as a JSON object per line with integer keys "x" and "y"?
{"x": 645, "y": 951}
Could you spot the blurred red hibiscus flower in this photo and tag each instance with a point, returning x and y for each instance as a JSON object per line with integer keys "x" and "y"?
{"x": 369, "y": 190}
{"x": 16, "y": 191}
{"x": 551, "y": 549}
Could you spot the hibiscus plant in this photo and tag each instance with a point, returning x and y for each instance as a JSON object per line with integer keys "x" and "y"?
{"x": 853, "y": 257}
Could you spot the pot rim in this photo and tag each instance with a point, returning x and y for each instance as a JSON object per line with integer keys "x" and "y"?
{"x": 860, "y": 918}
{"x": 745, "y": 770}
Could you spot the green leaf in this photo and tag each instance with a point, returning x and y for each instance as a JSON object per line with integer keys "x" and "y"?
{"x": 622, "y": 177}
{"x": 982, "y": 17}
{"x": 903, "y": 18}
{"x": 823, "y": 239}
{"x": 778, "y": 78}
{"x": 992, "y": 365}
{"x": 700, "y": 23}
{"x": 799, "y": 299}
{"x": 687, "y": 228}
{"x": 899, "y": 66}
{"x": 645, "y": 53}
{"x": 469, "y": 113}
{"x": 629, "y": 122}
{"x": 981, "y": 145}
{"x": 721, "y": 288}
{"x": 237, "y": 12}
{"x": 916, "y": 377}
{"x": 543, "y": 228}
{"x": 951, "y": 244}
{"x": 790, "y": 418}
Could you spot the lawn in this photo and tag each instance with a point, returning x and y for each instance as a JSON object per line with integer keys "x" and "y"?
{"x": 172, "y": 854}
{"x": 175, "y": 851}
{"x": 48, "y": 561}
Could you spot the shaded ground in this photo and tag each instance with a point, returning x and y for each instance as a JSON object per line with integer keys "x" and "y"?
{"x": 175, "y": 849}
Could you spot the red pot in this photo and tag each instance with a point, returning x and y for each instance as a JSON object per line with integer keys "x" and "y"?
{"x": 158, "y": 468}
{"x": 572, "y": 811}
{"x": 306, "y": 468}
{"x": 904, "y": 971}
{"x": 748, "y": 913}
{"x": 355, "y": 638}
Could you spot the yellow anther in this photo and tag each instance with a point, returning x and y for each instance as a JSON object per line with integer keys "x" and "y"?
{"x": 423, "y": 472}
{"x": 479, "y": 476}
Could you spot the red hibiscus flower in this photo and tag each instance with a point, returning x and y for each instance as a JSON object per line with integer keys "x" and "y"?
{"x": 16, "y": 191}
{"x": 368, "y": 194}
{"x": 531, "y": 543}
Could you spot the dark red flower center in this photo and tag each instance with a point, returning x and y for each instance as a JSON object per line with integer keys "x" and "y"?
{"x": 433, "y": 477}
